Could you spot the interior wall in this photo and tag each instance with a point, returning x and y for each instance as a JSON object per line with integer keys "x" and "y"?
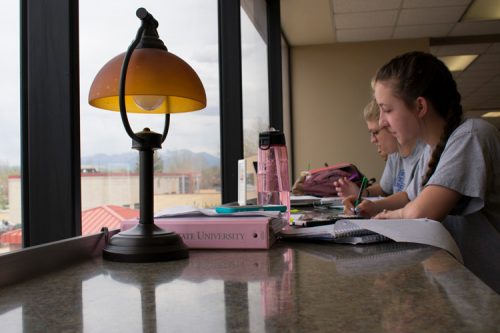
{"x": 330, "y": 87}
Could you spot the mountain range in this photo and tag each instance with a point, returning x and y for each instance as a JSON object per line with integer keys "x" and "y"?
{"x": 173, "y": 161}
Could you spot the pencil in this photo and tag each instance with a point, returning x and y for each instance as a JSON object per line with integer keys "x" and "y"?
{"x": 364, "y": 182}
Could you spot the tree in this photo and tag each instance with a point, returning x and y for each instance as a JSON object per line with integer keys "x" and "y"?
{"x": 210, "y": 178}
{"x": 157, "y": 163}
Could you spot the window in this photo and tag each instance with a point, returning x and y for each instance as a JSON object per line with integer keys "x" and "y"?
{"x": 187, "y": 168}
{"x": 10, "y": 149}
{"x": 55, "y": 50}
{"x": 255, "y": 92}
{"x": 254, "y": 73}
{"x": 287, "y": 112}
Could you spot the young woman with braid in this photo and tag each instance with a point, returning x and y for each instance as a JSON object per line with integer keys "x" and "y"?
{"x": 458, "y": 180}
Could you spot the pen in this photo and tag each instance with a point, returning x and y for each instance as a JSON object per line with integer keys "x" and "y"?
{"x": 361, "y": 189}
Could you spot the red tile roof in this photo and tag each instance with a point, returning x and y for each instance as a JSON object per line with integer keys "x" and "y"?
{"x": 12, "y": 237}
{"x": 92, "y": 221}
{"x": 105, "y": 216}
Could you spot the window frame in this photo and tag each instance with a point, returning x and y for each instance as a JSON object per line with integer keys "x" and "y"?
{"x": 50, "y": 113}
{"x": 50, "y": 121}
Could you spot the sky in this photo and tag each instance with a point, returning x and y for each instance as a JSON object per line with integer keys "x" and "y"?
{"x": 107, "y": 27}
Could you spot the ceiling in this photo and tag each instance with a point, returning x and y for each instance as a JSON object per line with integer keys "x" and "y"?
{"x": 309, "y": 22}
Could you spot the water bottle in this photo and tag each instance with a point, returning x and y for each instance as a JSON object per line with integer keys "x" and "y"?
{"x": 273, "y": 183}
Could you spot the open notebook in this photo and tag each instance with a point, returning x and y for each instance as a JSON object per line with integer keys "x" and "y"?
{"x": 343, "y": 231}
{"x": 421, "y": 231}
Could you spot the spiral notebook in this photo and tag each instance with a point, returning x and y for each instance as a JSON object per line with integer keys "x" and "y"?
{"x": 420, "y": 231}
{"x": 343, "y": 231}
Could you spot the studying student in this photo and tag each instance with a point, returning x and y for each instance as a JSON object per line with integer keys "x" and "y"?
{"x": 400, "y": 165}
{"x": 386, "y": 145}
{"x": 458, "y": 178}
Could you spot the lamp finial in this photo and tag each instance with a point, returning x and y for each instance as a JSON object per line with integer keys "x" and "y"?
{"x": 150, "y": 37}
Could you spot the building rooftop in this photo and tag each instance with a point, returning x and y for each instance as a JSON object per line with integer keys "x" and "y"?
{"x": 93, "y": 220}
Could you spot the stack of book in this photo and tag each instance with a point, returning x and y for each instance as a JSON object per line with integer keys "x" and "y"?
{"x": 206, "y": 229}
{"x": 310, "y": 200}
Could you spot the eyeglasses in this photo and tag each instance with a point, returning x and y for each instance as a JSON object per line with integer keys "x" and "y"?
{"x": 375, "y": 133}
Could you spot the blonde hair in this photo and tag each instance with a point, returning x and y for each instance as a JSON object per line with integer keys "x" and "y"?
{"x": 371, "y": 111}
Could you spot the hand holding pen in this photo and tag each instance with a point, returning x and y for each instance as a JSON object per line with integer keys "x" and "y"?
{"x": 352, "y": 203}
{"x": 366, "y": 208}
{"x": 364, "y": 182}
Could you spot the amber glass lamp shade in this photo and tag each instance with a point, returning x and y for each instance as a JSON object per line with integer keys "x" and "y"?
{"x": 158, "y": 82}
{"x": 146, "y": 79}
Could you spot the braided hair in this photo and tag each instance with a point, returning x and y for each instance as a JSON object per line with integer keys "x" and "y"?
{"x": 419, "y": 74}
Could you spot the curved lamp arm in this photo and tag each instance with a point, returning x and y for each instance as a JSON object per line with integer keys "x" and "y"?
{"x": 165, "y": 128}
{"x": 123, "y": 78}
{"x": 146, "y": 18}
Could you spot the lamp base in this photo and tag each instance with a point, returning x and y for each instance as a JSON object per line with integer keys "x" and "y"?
{"x": 145, "y": 243}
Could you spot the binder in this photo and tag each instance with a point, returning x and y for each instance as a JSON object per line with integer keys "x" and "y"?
{"x": 225, "y": 232}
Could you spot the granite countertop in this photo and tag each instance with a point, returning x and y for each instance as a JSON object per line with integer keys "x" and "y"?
{"x": 294, "y": 287}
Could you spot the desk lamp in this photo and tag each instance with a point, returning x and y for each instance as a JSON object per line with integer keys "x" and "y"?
{"x": 146, "y": 79}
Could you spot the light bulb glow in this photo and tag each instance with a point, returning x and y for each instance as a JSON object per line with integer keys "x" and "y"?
{"x": 148, "y": 102}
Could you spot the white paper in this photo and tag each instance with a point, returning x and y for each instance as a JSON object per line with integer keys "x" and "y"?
{"x": 301, "y": 200}
{"x": 422, "y": 231}
{"x": 189, "y": 210}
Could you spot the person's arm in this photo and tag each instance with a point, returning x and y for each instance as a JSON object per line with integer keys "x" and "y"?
{"x": 369, "y": 208}
{"x": 345, "y": 188}
{"x": 374, "y": 190}
{"x": 434, "y": 202}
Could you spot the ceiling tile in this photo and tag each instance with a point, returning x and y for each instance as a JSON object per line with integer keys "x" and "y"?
{"x": 435, "y": 49}
{"x": 466, "y": 92}
{"x": 493, "y": 67}
{"x": 471, "y": 74}
{"x": 306, "y": 22}
{"x": 434, "y": 3}
{"x": 472, "y": 82}
{"x": 495, "y": 48}
{"x": 430, "y": 15}
{"x": 467, "y": 105}
{"x": 488, "y": 58}
{"x": 298, "y": 26}
{"x": 490, "y": 89}
{"x": 365, "y": 20}
{"x": 486, "y": 91}
{"x": 356, "y": 35}
{"x": 349, "y": 6}
{"x": 489, "y": 104}
{"x": 494, "y": 82}
{"x": 416, "y": 31}
{"x": 476, "y": 28}
{"x": 474, "y": 113}
{"x": 473, "y": 101}
{"x": 445, "y": 50}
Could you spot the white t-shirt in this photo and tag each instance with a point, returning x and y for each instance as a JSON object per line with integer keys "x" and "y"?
{"x": 470, "y": 165}
{"x": 399, "y": 171}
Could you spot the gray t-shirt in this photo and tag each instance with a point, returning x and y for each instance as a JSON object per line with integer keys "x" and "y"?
{"x": 470, "y": 165}
{"x": 399, "y": 171}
